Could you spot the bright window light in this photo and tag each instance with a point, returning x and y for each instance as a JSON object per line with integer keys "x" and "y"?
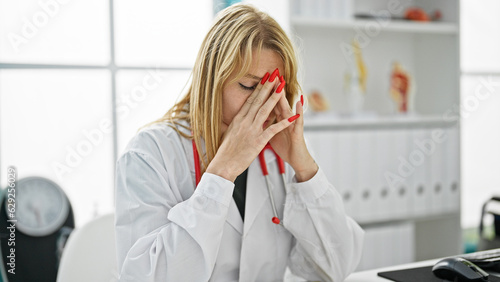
{"x": 155, "y": 32}
{"x": 144, "y": 96}
{"x": 54, "y": 32}
{"x": 57, "y": 124}
{"x": 479, "y": 38}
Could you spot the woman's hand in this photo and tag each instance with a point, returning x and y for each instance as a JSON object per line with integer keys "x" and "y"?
{"x": 245, "y": 137}
{"x": 289, "y": 144}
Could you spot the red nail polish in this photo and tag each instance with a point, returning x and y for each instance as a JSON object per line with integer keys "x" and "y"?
{"x": 264, "y": 78}
{"x": 282, "y": 79}
{"x": 274, "y": 74}
{"x": 294, "y": 118}
{"x": 302, "y": 99}
{"x": 280, "y": 87}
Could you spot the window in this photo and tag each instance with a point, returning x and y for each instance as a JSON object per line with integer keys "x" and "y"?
{"x": 78, "y": 79}
{"x": 144, "y": 96}
{"x": 480, "y": 103}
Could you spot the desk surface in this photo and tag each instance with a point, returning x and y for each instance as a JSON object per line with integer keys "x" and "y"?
{"x": 371, "y": 275}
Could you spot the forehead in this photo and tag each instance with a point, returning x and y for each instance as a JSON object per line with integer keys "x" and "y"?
{"x": 264, "y": 62}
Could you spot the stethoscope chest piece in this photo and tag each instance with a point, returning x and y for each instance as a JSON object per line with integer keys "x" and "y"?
{"x": 276, "y": 220}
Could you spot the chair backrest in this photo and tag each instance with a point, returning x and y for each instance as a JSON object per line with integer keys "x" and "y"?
{"x": 90, "y": 253}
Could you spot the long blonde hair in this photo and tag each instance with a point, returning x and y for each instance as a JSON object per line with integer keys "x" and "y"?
{"x": 237, "y": 31}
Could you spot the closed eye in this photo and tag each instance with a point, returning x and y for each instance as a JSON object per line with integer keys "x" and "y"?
{"x": 248, "y": 88}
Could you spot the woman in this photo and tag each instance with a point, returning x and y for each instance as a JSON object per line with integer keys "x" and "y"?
{"x": 229, "y": 227}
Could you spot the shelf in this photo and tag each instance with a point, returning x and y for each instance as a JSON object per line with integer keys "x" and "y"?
{"x": 315, "y": 122}
{"x": 394, "y": 25}
{"x": 357, "y": 150}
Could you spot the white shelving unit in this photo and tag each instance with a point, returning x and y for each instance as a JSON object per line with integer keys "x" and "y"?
{"x": 350, "y": 146}
{"x": 394, "y": 25}
{"x": 324, "y": 122}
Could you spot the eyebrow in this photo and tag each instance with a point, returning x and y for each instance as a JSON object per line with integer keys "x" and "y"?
{"x": 253, "y": 76}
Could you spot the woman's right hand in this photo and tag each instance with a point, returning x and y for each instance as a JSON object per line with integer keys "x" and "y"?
{"x": 245, "y": 137}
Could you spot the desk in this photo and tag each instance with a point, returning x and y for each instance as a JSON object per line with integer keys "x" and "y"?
{"x": 371, "y": 275}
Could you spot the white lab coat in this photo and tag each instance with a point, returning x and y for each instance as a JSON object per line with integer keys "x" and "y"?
{"x": 166, "y": 230}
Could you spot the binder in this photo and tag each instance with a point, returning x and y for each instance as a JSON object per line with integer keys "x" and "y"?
{"x": 329, "y": 152}
{"x": 438, "y": 171}
{"x": 309, "y": 8}
{"x": 380, "y": 247}
{"x": 387, "y": 245}
{"x": 365, "y": 175}
{"x": 420, "y": 183}
{"x": 334, "y": 162}
{"x": 406, "y": 244}
{"x": 315, "y": 147}
{"x": 401, "y": 200}
{"x": 393, "y": 196}
{"x": 325, "y": 147}
{"x": 384, "y": 145}
{"x": 368, "y": 257}
{"x": 452, "y": 174}
{"x": 347, "y": 171}
{"x": 311, "y": 138}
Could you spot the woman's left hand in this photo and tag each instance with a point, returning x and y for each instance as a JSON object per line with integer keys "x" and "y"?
{"x": 290, "y": 144}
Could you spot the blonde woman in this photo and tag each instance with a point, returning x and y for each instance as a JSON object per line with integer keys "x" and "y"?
{"x": 192, "y": 199}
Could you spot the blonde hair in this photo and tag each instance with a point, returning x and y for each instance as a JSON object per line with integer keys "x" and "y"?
{"x": 237, "y": 31}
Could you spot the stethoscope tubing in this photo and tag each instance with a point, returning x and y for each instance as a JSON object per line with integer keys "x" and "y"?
{"x": 268, "y": 184}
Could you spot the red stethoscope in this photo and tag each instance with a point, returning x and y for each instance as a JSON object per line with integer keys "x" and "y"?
{"x": 263, "y": 166}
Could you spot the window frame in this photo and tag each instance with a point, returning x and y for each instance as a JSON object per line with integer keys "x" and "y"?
{"x": 111, "y": 67}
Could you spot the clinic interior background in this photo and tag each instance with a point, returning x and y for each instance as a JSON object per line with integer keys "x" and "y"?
{"x": 78, "y": 78}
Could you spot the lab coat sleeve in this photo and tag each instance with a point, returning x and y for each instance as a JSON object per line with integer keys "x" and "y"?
{"x": 159, "y": 237}
{"x": 328, "y": 243}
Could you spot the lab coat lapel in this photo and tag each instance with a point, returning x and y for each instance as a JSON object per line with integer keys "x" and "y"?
{"x": 234, "y": 217}
{"x": 257, "y": 194}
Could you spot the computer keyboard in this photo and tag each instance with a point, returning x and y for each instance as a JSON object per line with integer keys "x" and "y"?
{"x": 484, "y": 259}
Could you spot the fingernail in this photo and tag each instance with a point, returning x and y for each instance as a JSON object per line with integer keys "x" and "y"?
{"x": 280, "y": 87}
{"x": 282, "y": 79}
{"x": 302, "y": 99}
{"x": 264, "y": 78}
{"x": 274, "y": 74}
{"x": 294, "y": 117}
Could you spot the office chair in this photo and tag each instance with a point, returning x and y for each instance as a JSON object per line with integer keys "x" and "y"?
{"x": 489, "y": 243}
{"x": 90, "y": 253}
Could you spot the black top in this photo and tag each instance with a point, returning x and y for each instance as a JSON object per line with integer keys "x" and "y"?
{"x": 239, "y": 192}
{"x": 419, "y": 274}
